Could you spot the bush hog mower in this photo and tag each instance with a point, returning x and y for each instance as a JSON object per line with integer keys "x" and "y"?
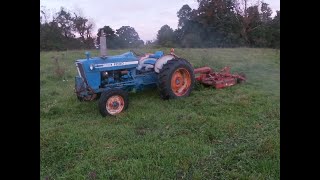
{"x": 221, "y": 79}
{"x": 110, "y": 78}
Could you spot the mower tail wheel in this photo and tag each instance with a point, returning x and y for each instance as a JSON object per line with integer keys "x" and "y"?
{"x": 241, "y": 80}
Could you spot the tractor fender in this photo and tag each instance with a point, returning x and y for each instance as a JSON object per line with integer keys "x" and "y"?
{"x": 161, "y": 61}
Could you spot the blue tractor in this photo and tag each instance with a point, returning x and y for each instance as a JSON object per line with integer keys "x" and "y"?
{"x": 110, "y": 78}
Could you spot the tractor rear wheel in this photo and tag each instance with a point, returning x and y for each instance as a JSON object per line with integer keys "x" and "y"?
{"x": 113, "y": 102}
{"x": 176, "y": 79}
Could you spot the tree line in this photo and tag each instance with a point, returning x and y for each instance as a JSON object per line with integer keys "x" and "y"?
{"x": 223, "y": 23}
{"x": 69, "y": 30}
{"x": 215, "y": 23}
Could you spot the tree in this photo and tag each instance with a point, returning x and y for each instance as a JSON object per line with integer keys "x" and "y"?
{"x": 65, "y": 22}
{"x": 191, "y": 40}
{"x": 263, "y": 32}
{"x": 45, "y": 15}
{"x": 184, "y": 14}
{"x": 59, "y": 32}
{"x": 215, "y": 23}
{"x": 151, "y": 43}
{"x": 128, "y": 37}
{"x": 83, "y": 27}
{"x": 266, "y": 13}
{"x": 258, "y": 29}
{"x": 192, "y": 34}
{"x": 190, "y": 30}
{"x": 219, "y": 22}
{"x": 165, "y": 36}
{"x": 51, "y": 37}
{"x": 275, "y": 31}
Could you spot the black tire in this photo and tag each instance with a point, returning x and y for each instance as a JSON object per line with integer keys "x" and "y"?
{"x": 240, "y": 80}
{"x": 166, "y": 74}
{"x": 120, "y": 95}
{"x": 89, "y": 97}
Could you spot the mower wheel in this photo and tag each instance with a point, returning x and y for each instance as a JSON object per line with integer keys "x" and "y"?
{"x": 240, "y": 80}
{"x": 176, "y": 79}
{"x": 113, "y": 102}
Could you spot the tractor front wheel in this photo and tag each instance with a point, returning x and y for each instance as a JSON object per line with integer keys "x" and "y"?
{"x": 113, "y": 102}
{"x": 176, "y": 79}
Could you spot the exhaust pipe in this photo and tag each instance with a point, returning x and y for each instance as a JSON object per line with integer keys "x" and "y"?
{"x": 103, "y": 44}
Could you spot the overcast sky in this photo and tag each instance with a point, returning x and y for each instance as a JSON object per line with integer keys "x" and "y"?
{"x": 145, "y": 16}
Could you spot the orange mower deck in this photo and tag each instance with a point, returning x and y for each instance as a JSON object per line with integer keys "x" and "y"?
{"x": 221, "y": 79}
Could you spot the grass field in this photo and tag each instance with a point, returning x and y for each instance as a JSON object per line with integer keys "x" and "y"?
{"x": 231, "y": 133}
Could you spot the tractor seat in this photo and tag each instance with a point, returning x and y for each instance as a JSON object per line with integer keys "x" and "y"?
{"x": 147, "y": 62}
{"x": 156, "y": 55}
{"x": 150, "y": 61}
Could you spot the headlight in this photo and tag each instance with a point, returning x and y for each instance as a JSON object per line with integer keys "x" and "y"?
{"x": 105, "y": 74}
{"x": 91, "y": 67}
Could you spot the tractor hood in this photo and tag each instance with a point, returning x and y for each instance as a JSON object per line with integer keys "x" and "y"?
{"x": 107, "y": 63}
{"x": 122, "y": 57}
{"x": 89, "y": 69}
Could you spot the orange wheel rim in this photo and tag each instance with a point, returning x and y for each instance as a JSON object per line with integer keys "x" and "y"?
{"x": 115, "y": 105}
{"x": 180, "y": 81}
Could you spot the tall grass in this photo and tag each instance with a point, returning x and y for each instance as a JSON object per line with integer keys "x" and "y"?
{"x": 231, "y": 133}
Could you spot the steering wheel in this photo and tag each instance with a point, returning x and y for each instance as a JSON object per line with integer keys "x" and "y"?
{"x": 137, "y": 53}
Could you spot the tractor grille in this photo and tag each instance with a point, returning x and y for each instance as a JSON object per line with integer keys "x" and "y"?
{"x": 81, "y": 72}
{"x": 78, "y": 70}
